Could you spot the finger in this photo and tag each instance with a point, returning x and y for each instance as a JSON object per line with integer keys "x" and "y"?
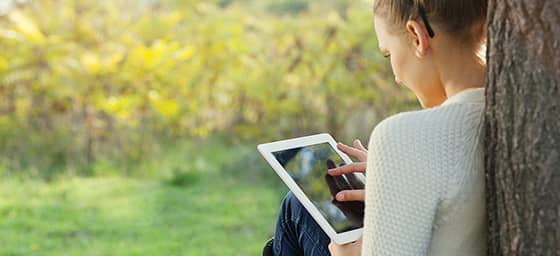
{"x": 358, "y": 145}
{"x": 332, "y": 247}
{"x": 330, "y": 164}
{"x": 351, "y": 195}
{"x": 355, "y": 183}
{"x": 358, "y": 243}
{"x": 354, "y": 152}
{"x": 349, "y": 168}
{"x": 349, "y": 150}
{"x": 331, "y": 184}
{"x": 341, "y": 183}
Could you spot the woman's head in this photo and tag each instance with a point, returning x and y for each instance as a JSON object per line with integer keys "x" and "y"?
{"x": 422, "y": 37}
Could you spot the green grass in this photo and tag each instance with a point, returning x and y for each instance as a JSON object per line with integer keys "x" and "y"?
{"x": 225, "y": 203}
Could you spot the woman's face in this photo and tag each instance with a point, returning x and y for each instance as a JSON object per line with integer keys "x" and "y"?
{"x": 416, "y": 73}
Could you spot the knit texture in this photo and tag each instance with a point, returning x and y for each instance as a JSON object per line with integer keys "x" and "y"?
{"x": 425, "y": 182}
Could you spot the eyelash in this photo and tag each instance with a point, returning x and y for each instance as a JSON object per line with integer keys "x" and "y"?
{"x": 387, "y": 55}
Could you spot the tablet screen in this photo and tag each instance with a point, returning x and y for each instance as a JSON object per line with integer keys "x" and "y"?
{"x": 308, "y": 168}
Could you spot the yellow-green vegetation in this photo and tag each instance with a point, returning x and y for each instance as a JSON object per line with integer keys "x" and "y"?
{"x": 129, "y": 127}
{"x": 88, "y": 80}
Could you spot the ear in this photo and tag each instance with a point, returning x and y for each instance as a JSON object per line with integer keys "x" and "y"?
{"x": 420, "y": 37}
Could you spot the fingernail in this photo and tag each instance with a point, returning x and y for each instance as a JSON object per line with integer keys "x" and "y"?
{"x": 339, "y": 196}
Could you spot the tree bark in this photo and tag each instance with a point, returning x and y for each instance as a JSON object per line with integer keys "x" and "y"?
{"x": 522, "y": 127}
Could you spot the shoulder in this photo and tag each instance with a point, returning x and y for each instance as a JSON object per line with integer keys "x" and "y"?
{"x": 436, "y": 133}
{"x": 412, "y": 123}
{"x": 441, "y": 121}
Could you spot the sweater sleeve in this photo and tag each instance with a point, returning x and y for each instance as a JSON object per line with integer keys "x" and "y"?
{"x": 402, "y": 190}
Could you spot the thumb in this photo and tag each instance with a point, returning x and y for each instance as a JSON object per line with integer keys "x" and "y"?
{"x": 351, "y": 195}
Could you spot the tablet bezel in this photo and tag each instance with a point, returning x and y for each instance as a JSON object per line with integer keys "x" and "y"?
{"x": 266, "y": 151}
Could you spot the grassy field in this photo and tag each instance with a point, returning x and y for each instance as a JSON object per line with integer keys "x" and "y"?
{"x": 225, "y": 204}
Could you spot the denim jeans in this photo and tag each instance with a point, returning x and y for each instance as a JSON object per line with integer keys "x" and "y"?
{"x": 297, "y": 233}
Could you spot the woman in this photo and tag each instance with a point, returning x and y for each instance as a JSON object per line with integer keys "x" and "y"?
{"x": 425, "y": 183}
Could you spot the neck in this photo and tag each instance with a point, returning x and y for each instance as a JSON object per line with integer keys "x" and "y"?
{"x": 461, "y": 70}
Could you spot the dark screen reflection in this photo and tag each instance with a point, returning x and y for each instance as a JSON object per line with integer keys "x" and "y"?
{"x": 308, "y": 167}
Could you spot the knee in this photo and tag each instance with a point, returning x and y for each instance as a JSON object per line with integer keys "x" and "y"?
{"x": 291, "y": 207}
{"x": 291, "y": 199}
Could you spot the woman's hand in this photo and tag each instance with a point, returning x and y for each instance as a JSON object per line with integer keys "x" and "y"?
{"x": 350, "y": 249}
{"x": 359, "y": 152}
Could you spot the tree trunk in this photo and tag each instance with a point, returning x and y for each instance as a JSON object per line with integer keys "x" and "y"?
{"x": 522, "y": 127}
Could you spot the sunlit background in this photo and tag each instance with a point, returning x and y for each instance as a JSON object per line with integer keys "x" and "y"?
{"x": 130, "y": 127}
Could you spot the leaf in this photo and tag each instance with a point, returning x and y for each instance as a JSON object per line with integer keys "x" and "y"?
{"x": 3, "y": 64}
{"x": 186, "y": 53}
{"x": 27, "y": 27}
{"x": 166, "y": 108}
{"x": 91, "y": 63}
{"x": 143, "y": 57}
{"x": 11, "y": 34}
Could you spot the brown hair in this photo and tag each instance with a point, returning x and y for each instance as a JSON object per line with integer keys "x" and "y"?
{"x": 461, "y": 18}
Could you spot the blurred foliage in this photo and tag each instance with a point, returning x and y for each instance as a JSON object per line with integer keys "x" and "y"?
{"x": 84, "y": 82}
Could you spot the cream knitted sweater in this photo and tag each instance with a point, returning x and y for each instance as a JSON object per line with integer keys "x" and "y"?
{"x": 425, "y": 182}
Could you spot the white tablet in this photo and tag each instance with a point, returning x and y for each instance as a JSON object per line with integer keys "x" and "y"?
{"x": 302, "y": 164}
